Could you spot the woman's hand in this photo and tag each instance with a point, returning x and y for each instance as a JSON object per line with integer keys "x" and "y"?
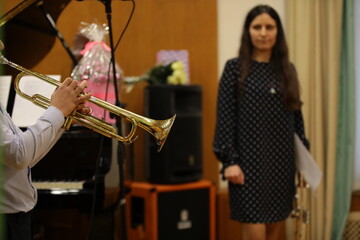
{"x": 234, "y": 174}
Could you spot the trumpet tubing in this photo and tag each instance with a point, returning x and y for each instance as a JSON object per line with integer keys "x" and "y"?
{"x": 159, "y": 129}
{"x": 300, "y": 213}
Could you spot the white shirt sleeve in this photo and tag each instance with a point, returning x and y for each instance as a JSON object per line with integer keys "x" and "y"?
{"x": 22, "y": 149}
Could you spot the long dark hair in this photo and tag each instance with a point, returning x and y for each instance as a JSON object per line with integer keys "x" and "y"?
{"x": 279, "y": 58}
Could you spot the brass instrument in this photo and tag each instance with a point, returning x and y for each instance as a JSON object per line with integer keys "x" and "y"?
{"x": 158, "y": 128}
{"x": 300, "y": 213}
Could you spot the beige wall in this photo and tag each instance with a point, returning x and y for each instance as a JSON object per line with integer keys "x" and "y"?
{"x": 231, "y": 16}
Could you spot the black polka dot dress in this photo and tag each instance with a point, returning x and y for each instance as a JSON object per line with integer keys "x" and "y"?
{"x": 256, "y": 132}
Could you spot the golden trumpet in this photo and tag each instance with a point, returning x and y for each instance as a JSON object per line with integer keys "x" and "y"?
{"x": 158, "y": 128}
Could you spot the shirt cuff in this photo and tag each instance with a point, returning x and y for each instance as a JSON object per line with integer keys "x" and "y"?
{"x": 55, "y": 116}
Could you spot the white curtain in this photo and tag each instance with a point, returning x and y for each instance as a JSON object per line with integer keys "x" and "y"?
{"x": 314, "y": 37}
{"x": 357, "y": 83}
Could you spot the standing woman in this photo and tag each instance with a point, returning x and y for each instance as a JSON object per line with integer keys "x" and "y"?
{"x": 258, "y": 113}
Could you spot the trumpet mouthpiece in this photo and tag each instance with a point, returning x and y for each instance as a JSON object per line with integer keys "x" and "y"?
{"x": 1, "y": 46}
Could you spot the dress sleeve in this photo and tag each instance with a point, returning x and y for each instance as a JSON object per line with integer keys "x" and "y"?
{"x": 299, "y": 128}
{"x": 225, "y": 130}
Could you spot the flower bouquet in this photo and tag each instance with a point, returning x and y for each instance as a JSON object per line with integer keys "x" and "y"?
{"x": 172, "y": 73}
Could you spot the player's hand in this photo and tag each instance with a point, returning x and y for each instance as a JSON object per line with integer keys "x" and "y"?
{"x": 67, "y": 96}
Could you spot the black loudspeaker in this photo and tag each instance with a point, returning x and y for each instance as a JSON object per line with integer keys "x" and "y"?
{"x": 171, "y": 212}
{"x": 180, "y": 160}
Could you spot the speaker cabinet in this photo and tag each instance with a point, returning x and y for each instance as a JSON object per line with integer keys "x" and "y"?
{"x": 176, "y": 212}
{"x": 180, "y": 160}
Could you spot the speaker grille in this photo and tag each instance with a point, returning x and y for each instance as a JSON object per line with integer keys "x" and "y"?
{"x": 180, "y": 160}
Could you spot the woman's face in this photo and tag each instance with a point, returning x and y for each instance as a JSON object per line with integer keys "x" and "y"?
{"x": 263, "y": 32}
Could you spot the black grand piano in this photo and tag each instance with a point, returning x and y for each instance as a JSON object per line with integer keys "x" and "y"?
{"x": 72, "y": 174}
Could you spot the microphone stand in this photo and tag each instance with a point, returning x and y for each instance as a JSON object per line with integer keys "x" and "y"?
{"x": 120, "y": 148}
{"x": 57, "y": 32}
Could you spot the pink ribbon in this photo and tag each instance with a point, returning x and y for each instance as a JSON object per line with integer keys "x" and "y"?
{"x": 90, "y": 45}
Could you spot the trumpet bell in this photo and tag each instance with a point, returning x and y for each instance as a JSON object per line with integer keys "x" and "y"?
{"x": 160, "y": 129}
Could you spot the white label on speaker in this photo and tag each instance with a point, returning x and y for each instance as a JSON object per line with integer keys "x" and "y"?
{"x": 184, "y": 222}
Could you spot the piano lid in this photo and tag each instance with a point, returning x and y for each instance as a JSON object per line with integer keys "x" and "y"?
{"x": 17, "y": 9}
{"x": 25, "y": 13}
{"x": 28, "y": 34}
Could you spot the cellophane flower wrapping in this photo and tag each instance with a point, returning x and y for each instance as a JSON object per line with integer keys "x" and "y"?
{"x": 95, "y": 67}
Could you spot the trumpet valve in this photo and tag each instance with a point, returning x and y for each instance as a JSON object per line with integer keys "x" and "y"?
{"x": 67, "y": 123}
